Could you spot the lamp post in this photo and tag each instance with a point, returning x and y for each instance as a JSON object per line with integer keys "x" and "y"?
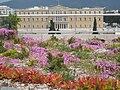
{"x": 75, "y": 23}
{"x": 31, "y": 22}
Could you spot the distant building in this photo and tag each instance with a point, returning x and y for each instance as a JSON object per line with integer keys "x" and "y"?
{"x": 112, "y": 11}
{"x": 5, "y": 10}
{"x": 66, "y": 18}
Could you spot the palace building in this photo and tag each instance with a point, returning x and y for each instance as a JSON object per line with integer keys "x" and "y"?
{"x": 64, "y": 18}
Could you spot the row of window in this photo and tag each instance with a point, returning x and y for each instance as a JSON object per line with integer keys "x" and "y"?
{"x": 33, "y": 26}
{"x": 83, "y": 26}
{"x": 62, "y": 26}
{"x": 63, "y": 12}
{"x": 59, "y": 26}
{"x": 34, "y": 19}
{"x": 61, "y": 19}
{"x": 84, "y": 19}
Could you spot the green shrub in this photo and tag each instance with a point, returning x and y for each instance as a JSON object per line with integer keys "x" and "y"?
{"x": 114, "y": 45}
{"x": 67, "y": 75}
{"x": 25, "y": 53}
{"x": 102, "y": 56}
{"x": 31, "y": 63}
{"x": 49, "y": 56}
{"x": 17, "y": 41}
{"x": 13, "y": 54}
{"x": 2, "y": 49}
{"x": 118, "y": 57}
{"x": 42, "y": 44}
{"x": 53, "y": 38}
{"x": 62, "y": 47}
{"x": 1, "y": 42}
{"x": 57, "y": 65}
{"x": 71, "y": 40}
{"x": 83, "y": 55}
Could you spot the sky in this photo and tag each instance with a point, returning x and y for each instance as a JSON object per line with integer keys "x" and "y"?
{"x": 4, "y": 1}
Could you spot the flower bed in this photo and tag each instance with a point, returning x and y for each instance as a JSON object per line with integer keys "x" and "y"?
{"x": 55, "y": 80}
{"x": 58, "y": 63}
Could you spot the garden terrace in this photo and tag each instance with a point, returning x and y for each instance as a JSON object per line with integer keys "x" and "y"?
{"x": 72, "y": 63}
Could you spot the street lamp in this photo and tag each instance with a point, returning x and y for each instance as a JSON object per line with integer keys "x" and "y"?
{"x": 75, "y": 23}
{"x": 31, "y": 22}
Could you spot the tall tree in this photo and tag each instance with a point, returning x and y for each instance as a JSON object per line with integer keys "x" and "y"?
{"x": 11, "y": 22}
{"x": 95, "y": 26}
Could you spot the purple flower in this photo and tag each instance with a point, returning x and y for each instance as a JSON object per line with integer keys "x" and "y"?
{"x": 54, "y": 54}
{"x": 77, "y": 43}
{"x": 15, "y": 62}
{"x": 107, "y": 68}
{"x": 1, "y": 60}
{"x": 7, "y": 33}
{"x": 7, "y": 45}
{"x": 69, "y": 59}
{"x": 30, "y": 40}
{"x": 43, "y": 60}
{"x": 113, "y": 51}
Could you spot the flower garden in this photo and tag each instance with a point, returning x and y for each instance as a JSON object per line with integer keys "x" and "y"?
{"x": 72, "y": 64}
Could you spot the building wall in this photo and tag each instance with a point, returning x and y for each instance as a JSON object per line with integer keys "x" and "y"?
{"x": 5, "y": 10}
{"x": 63, "y": 17}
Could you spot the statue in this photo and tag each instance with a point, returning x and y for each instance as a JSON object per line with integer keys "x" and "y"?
{"x": 52, "y": 26}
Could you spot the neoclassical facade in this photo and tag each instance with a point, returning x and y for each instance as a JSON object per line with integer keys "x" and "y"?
{"x": 64, "y": 18}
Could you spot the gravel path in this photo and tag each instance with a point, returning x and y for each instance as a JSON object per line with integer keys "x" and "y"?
{"x": 9, "y": 85}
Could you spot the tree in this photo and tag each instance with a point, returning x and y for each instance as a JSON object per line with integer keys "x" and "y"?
{"x": 10, "y": 22}
{"x": 95, "y": 26}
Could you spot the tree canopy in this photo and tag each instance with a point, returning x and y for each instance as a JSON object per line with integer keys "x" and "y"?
{"x": 10, "y": 22}
{"x": 95, "y": 27}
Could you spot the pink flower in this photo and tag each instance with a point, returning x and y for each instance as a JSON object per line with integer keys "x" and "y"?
{"x": 65, "y": 42}
{"x": 7, "y": 45}
{"x": 54, "y": 54}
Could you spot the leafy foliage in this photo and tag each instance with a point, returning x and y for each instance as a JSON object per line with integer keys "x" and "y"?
{"x": 43, "y": 44}
{"x": 62, "y": 47}
{"x": 71, "y": 40}
{"x": 57, "y": 65}
{"x": 53, "y": 38}
{"x": 25, "y": 53}
{"x": 17, "y": 40}
{"x": 2, "y": 49}
{"x": 95, "y": 26}
{"x": 114, "y": 45}
{"x": 83, "y": 54}
{"x": 118, "y": 57}
{"x": 13, "y": 54}
{"x": 10, "y": 22}
{"x": 31, "y": 63}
